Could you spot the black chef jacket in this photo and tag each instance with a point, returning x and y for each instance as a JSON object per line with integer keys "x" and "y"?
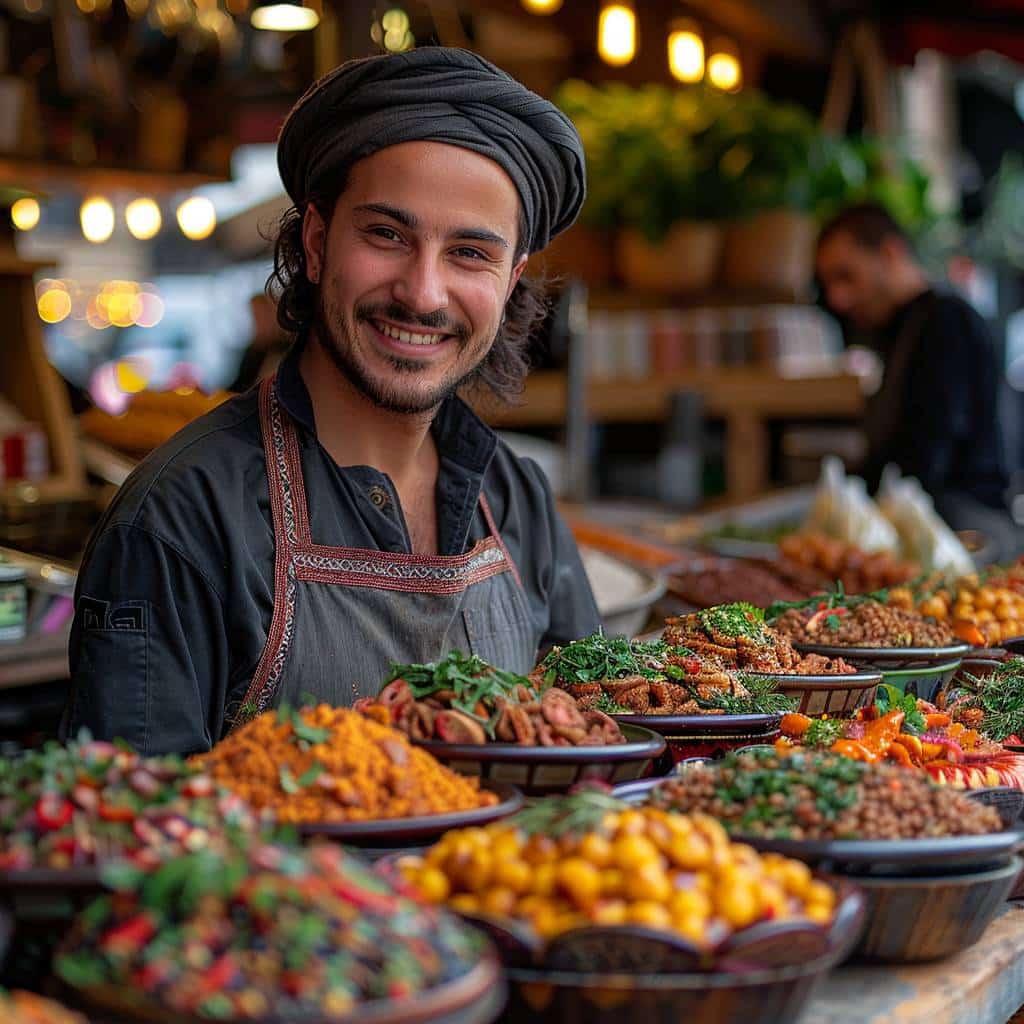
{"x": 947, "y": 432}
{"x": 175, "y": 595}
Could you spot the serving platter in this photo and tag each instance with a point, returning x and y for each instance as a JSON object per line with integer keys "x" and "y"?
{"x": 539, "y": 771}
{"x": 888, "y": 657}
{"x": 475, "y": 997}
{"x": 698, "y": 725}
{"x": 396, "y": 832}
{"x": 834, "y": 694}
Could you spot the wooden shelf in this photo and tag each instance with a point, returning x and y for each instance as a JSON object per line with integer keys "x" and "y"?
{"x": 727, "y": 392}
{"x": 746, "y": 398}
{"x": 41, "y": 175}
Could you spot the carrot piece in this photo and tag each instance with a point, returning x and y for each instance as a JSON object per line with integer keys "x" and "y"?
{"x": 937, "y": 721}
{"x": 794, "y": 724}
{"x": 967, "y": 631}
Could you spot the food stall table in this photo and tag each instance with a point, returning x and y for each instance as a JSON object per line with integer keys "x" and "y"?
{"x": 982, "y": 985}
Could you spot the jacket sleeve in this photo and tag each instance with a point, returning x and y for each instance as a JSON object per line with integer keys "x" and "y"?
{"x": 149, "y": 647}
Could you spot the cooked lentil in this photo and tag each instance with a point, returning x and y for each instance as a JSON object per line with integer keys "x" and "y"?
{"x": 809, "y": 795}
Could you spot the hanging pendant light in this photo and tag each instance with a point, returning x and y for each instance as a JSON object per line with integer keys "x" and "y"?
{"x": 686, "y": 51}
{"x": 542, "y": 6}
{"x": 724, "y": 69}
{"x": 616, "y": 33}
{"x": 284, "y": 17}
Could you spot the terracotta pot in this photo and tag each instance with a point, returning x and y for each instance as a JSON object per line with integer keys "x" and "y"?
{"x": 580, "y": 252}
{"x": 770, "y": 252}
{"x": 686, "y": 260}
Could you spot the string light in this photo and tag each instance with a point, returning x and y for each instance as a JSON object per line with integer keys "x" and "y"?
{"x": 97, "y": 218}
{"x": 143, "y": 218}
{"x": 616, "y": 34}
{"x": 197, "y": 218}
{"x": 724, "y": 70}
{"x": 686, "y": 52}
{"x": 25, "y": 213}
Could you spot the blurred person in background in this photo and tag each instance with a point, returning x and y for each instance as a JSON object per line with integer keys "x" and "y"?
{"x": 935, "y": 413}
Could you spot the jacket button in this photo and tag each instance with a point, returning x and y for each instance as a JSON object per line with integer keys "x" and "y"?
{"x": 380, "y": 497}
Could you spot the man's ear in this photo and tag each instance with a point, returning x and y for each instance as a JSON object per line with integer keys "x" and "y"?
{"x": 314, "y": 240}
{"x": 894, "y": 250}
{"x": 517, "y": 272}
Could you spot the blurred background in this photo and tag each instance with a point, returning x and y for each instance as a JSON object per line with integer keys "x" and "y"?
{"x": 689, "y": 377}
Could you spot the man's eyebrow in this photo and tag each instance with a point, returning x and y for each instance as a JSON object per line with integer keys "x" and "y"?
{"x": 480, "y": 235}
{"x": 404, "y": 217}
{"x": 411, "y": 221}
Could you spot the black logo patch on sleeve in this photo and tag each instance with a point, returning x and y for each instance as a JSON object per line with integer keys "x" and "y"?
{"x": 128, "y": 616}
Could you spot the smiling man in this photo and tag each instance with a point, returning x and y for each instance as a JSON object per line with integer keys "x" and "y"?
{"x": 353, "y": 511}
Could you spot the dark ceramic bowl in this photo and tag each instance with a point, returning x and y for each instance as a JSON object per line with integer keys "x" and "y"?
{"x": 475, "y": 998}
{"x": 542, "y": 771}
{"x": 835, "y": 695}
{"x": 602, "y": 995}
{"x": 705, "y": 735}
{"x": 916, "y": 919}
{"x": 400, "y": 832}
{"x": 886, "y": 658}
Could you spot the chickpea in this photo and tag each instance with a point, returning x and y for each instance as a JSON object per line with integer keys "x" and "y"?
{"x": 648, "y": 882}
{"x": 612, "y": 882}
{"x": 689, "y": 902}
{"x": 580, "y": 880}
{"x": 610, "y": 912}
{"x": 431, "y": 884}
{"x": 596, "y": 849}
{"x": 739, "y": 904}
{"x": 513, "y": 874}
{"x": 649, "y": 914}
{"x": 501, "y": 902}
{"x": 633, "y": 851}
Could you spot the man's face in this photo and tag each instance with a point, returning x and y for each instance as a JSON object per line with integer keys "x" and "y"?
{"x": 414, "y": 271}
{"x": 856, "y": 279}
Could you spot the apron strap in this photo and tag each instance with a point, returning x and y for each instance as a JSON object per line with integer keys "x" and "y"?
{"x": 261, "y": 687}
{"x": 492, "y": 526}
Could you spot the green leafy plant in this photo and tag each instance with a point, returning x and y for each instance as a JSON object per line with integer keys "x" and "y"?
{"x": 888, "y": 699}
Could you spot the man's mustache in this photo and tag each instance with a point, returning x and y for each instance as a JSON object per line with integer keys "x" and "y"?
{"x": 437, "y": 321}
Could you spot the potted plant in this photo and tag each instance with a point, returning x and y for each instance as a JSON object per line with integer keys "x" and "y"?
{"x": 648, "y": 181}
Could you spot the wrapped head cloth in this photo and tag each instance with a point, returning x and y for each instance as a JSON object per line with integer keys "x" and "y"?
{"x": 436, "y": 94}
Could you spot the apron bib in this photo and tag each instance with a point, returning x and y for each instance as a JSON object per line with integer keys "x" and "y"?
{"x": 343, "y": 615}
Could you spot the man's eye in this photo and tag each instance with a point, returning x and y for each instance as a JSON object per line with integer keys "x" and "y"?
{"x": 389, "y": 234}
{"x": 469, "y": 253}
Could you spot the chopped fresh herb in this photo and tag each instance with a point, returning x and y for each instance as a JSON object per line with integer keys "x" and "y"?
{"x": 311, "y": 774}
{"x": 610, "y": 706}
{"x": 832, "y": 621}
{"x": 738, "y": 619}
{"x": 309, "y": 733}
{"x": 762, "y": 698}
{"x": 288, "y": 783}
{"x": 1000, "y": 697}
{"x": 823, "y": 732}
{"x": 889, "y": 698}
{"x": 600, "y": 657}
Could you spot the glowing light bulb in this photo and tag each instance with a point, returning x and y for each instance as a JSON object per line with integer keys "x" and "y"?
{"x": 25, "y": 213}
{"x": 542, "y": 6}
{"x": 284, "y": 18}
{"x": 724, "y": 71}
{"x": 54, "y": 304}
{"x": 97, "y": 219}
{"x": 197, "y": 218}
{"x": 143, "y": 218}
{"x": 616, "y": 34}
{"x": 686, "y": 53}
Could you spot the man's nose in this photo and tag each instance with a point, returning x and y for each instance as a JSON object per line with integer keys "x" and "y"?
{"x": 421, "y": 285}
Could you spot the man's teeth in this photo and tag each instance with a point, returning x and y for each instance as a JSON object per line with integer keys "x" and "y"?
{"x": 408, "y": 337}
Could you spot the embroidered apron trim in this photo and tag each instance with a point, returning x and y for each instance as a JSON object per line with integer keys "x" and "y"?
{"x": 298, "y": 559}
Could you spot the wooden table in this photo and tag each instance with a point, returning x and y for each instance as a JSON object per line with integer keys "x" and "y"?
{"x": 982, "y": 985}
{"x": 746, "y": 398}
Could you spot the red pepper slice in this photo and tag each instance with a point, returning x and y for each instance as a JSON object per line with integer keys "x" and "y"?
{"x": 53, "y": 811}
{"x": 130, "y": 936}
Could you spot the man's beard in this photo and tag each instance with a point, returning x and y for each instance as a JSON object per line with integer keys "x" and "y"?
{"x": 385, "y": 394}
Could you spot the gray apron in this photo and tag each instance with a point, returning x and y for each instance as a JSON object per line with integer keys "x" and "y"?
{"x": 342, "y": 615}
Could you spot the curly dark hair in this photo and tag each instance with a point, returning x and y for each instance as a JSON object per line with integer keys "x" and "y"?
{"x": 502, "y": 372}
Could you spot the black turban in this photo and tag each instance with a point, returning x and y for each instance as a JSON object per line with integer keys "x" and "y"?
{"x": 436, "y": 94}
